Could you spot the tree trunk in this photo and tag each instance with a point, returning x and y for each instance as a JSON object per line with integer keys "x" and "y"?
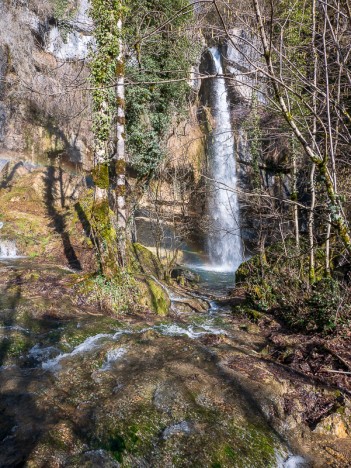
{"x": 337, "y": 216}
{"x": 312, "y": 267}
{"x": 294, "y": 196}
{"x": 120, "y": 164}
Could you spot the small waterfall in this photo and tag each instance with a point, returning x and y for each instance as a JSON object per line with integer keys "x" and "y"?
{"x": 224, "y": 240}
{"x": 8, "y": 249}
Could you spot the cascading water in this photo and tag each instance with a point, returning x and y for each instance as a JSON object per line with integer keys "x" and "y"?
{"x": 8, "y": 249}
{"x": 224, "y": 240}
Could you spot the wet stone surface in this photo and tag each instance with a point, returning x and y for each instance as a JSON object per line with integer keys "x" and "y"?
{"x": 85, "y": 391}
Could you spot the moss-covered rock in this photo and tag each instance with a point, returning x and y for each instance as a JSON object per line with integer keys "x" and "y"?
{"x": 144, "y": 261}
{"x": 118, "y": 294}
{"x": 160, "y": 298}
{"x": 252, "y": 314}
{"x": 153, "y": 296}
{"x": 247, "y": 268}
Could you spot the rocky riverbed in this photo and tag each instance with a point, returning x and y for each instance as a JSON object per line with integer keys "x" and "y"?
{"x": 79, "y": 388}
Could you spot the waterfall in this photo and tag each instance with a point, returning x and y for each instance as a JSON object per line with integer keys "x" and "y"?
{"x": 8, "y": 249}
{"x": 224, "y": 240}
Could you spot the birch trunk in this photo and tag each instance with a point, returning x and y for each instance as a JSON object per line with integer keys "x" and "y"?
{"x": 120, "y": 159}
{"x": 295, "y": 197}
{"x": 337, "y": 215}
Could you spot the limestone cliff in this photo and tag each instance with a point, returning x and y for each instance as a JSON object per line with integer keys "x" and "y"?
{"x": 44, "y": 108}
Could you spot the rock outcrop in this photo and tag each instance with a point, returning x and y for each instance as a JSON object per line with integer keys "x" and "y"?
{"x": 43, "y": 105}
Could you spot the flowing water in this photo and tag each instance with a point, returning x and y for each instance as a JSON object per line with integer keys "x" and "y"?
{"x": 84, "y": 391}
{"x": 224, "y": 241}
{"x": 8, "y": 249}
{"x": 78, "y": 390}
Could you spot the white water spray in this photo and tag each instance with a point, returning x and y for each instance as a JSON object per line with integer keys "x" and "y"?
{"x": 224, "y": 241}
{"x": 8, "y": 249}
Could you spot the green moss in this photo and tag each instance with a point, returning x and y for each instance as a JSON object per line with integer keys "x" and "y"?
{"x": 62, "y": 8}
{"x": 100, "y": 176}
{"x": 14, "y": 345}
{"x": 253, "y": 447}
{"x": 160, "y": 299}
{"x": 101, "y": 222}
{"x": 97, "y": 220}
{"x": 116, "y": 445}
{"x": 144, "y": 261}
{"x": 254, "y": 315}
{"x": 134, "y": 434}
{"x": 120, "y": 167}
{"x": 152, "y": 296}
{"x": 246, "y": 269}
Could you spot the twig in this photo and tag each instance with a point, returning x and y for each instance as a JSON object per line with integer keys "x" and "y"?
{"x": 335, "y": 371}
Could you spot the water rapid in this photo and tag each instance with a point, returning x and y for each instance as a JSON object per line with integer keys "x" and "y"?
{"x": 8, "y": 249}
{"x": 224, "y": 240}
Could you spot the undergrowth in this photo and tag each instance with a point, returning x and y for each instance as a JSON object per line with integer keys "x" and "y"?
{"x": 279, "y": 284}
{"x": 118, "y": 294}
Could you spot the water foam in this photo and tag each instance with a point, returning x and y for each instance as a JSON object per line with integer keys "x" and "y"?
{"x": 89, "y": 344}
{"x": 8, "y": 249}
{"x": 292, "y": 461}
{"x": 94, "y": 342}
{"x": 175, "y": 330}
{"x": 113, "y": 356}
{"x": 224, "y": 240}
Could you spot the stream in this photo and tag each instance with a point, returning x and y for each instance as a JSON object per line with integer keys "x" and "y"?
{"x": 79, "y": 390}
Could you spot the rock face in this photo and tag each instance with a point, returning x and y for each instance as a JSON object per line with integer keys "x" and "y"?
{"x": 73, "y": 42}
{"x": 41, "y": 52}
{"x": 40, "y": 212}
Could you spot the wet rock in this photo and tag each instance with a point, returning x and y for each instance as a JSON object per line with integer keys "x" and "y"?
{"x": 182, "y": 275}
{"x": 113, "y": 356}
{"x": 165, "y": 397}
{"x": 92, "y": 459}
{"x": 38, "y": 354}
{"x": 148, "y": 335}
{"x": 181, "y": 393}
{"x": 177, "y": 429}
{"x": 188, "y": 304}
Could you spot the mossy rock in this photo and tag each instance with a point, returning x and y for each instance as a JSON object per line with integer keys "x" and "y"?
{"x": 145, "y": 262}
{"x": 153, "y": 296}
{"x": 252, "y": 314}
{"x": 247, "y": 268}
